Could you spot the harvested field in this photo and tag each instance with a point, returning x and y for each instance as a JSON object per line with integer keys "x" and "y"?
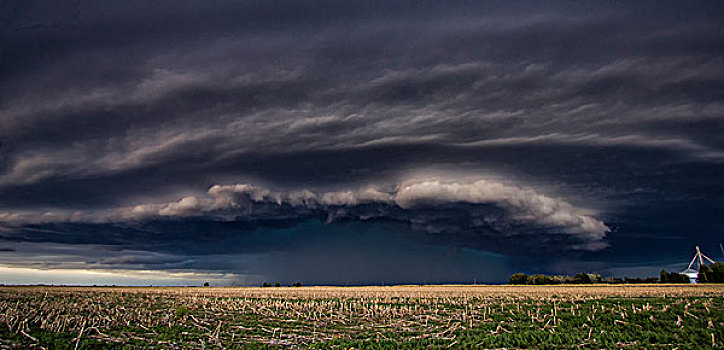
{"x": 561, "y": 317}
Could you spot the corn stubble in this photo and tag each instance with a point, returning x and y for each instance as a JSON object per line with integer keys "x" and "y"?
{"x": 560, "y": 317}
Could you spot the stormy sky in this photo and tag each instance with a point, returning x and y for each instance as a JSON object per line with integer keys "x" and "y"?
{"x": 357, "y": 142}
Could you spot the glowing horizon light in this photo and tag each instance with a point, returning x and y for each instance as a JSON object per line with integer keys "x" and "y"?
{"x": 84, "y": 277}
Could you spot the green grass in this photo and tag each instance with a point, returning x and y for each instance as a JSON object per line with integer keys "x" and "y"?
{"x": 187, "y": 321}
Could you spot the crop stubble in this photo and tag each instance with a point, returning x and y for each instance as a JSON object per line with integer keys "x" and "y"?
{"x": 606, "y": 316}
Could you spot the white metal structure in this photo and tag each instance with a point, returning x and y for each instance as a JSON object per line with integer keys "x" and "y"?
{"x": 699, "y": 260}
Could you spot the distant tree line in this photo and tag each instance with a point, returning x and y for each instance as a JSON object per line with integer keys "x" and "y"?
{"x": 707, "y": 274}
{"x": 581, "y": 278}
{"x": 267, "y": 284}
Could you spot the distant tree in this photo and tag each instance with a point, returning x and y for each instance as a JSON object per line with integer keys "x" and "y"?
{"x": 716, "y": 273}
{"x": 712, "y": 274}
{"x": 612, "y": 280}
{"x": 206, "y": 284}
{"x": 266, "y": 284}
{"x": 642, "y": 280}
{"x": 518, "y": 278}
{"x": 678, "y": 278}
{"x": 671, "y": 277}
{"x": 297, "y": 284}
{"x": 581, "y": 278}
{"x": 539, "y": 279}
{"x": 559, "y": 279}
{"x": 596, "y": 278}
{"x": 277, "y": 284}
{"x": 664, "y": 276}
{"x": 703, "y": 274}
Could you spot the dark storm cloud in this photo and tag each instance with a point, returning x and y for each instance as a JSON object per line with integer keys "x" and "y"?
{"x": 106, "y": 105}
{"x": 470, "y": 213}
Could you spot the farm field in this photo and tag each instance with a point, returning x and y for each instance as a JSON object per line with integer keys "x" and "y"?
{"x": 402, "y": 317}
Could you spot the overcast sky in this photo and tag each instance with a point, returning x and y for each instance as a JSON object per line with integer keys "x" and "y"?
{"x": 354, "y": 142}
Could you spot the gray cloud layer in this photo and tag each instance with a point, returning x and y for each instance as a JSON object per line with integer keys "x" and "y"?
{"x": 513, "y": 78}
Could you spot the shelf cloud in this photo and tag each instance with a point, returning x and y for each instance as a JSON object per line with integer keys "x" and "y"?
{"x": 432, "y": 206}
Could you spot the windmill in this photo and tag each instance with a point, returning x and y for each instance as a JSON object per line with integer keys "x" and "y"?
{"x": 699, "y": 261}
